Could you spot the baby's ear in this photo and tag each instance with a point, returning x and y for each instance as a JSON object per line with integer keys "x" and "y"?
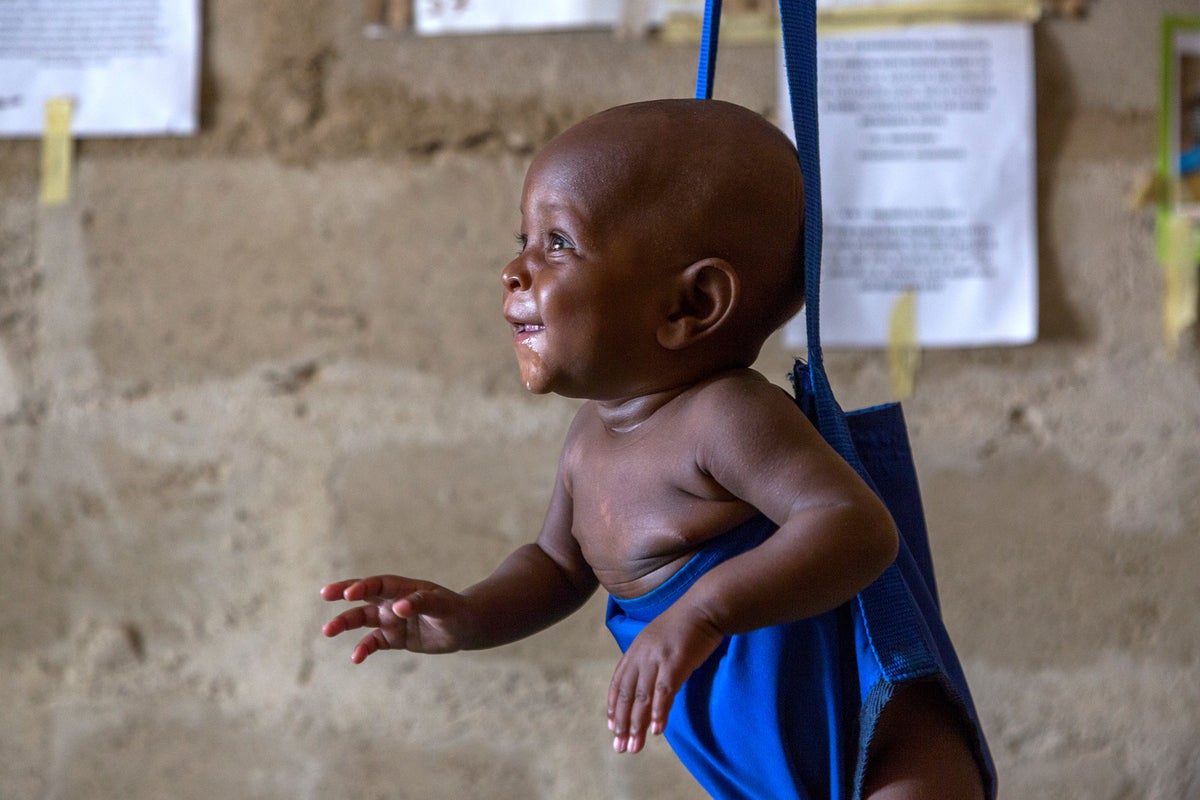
{"x": 705, "y": 295}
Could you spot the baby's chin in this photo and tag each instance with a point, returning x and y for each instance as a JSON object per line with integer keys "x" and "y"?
{"x": 534, "y": 382}
{"x": 539, "y": 387}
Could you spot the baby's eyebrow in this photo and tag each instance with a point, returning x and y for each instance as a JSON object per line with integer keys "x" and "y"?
{"x": 556, "y": 204}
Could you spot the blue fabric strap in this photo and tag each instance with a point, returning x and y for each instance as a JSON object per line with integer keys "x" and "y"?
{"x": 798, "y": 18}
{"x": 894, "y": 633}
{"x": 707, "y": 68}
{"x": 895, "y": 626}
{"x": 799, "y": 22}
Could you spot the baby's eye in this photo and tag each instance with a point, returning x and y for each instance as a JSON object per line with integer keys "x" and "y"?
{"x": 560, "y": 242}
{"x": 522, "y": 240}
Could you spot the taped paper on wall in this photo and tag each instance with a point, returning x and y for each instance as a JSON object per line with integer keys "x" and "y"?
{"x": 928, "y": 169}
{"x": 433, "y": 17}
{"x": 1182, "y": 115}
{"x": 130, "y": 66}
{"x": 1178, "y": 218}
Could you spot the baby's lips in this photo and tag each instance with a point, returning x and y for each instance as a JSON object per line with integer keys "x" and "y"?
{"x": 520, "y": 319}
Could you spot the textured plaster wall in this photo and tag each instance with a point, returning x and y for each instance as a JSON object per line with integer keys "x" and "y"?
{"x": 242, "y": 364}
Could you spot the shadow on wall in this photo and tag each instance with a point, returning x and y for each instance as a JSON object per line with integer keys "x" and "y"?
{"x": 1057, "y": 103}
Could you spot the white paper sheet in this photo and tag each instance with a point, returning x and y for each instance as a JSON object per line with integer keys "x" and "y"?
{"x": 435, "y": 17}
{"x": 928, "y": 172}
{"x": 130, "y": 66}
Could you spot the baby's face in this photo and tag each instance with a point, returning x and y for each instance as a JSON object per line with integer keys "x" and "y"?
{"x": 584, "y": 294}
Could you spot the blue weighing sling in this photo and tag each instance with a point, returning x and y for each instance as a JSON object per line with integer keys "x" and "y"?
{"x": 789, "y": 711}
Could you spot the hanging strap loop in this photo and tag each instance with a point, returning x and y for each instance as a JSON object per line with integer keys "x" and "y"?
{"x": 799, "y": 22}
{"x": 798, "y": 19}
{"x": 899, "y": 613}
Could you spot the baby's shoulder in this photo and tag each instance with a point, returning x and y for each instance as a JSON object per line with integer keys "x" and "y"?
{"x": 739, "y": 391}
{"x": 742, "y": 408}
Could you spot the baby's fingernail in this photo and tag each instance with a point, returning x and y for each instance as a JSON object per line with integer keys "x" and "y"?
{"x": 619, "y": 744}
{"x": 612, "y": 726}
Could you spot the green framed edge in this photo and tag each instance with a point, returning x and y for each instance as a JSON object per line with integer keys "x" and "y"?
{"x": 1168, "y": 194}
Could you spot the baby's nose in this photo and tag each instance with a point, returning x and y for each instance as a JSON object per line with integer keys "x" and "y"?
{"x": 514, "y": 277}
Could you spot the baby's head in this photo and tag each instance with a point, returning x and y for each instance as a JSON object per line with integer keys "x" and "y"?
{"x": 691, "y": 211}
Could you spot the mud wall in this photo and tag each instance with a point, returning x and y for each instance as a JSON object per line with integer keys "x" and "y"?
{"x": 238, "y": 365}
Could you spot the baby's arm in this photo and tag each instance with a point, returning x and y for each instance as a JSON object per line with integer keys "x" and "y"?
{"x": 536, "y": 586}
{"x": 835, "y": 535}
{"x": 834, "y": 538}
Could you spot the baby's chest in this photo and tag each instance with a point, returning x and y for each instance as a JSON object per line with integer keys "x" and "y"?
{"x": 649, "y": 503}
{"x": 633, "y": 478}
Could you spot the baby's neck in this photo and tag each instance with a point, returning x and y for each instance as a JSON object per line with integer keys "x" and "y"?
{"x": 627, "y": 414}
{"x": 630, "y": 413}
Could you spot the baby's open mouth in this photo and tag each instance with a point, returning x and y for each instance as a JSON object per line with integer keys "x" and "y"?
{"x": 520, "y": 327}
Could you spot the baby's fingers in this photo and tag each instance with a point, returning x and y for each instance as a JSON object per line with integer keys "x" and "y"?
{"x": 376, "y": 587}
{"x": 357, "y": 617}
{"x": 630, "y": 704}
{"x": 664, "y": 698}
{"x": 429, "y": 601}
{"x": 337, "y": 590}
{"x": 371, "y": 643}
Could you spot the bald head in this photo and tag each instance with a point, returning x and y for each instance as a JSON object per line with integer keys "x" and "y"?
{"x": 698, "y": 179}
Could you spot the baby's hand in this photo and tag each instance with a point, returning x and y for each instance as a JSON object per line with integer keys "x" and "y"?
{"x": 658, "y": 661}
{"x": 406, "y": 614}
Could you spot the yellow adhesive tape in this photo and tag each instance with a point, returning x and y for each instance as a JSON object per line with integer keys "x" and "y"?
{"x": 903, "y": 352}
{"x": 1181, "y": 283}
{"x": 57, "y": 152}
{"x": 684, "y": 21}
{"x": 926, "y": 12}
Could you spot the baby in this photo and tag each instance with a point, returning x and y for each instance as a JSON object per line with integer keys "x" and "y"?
{"x": 660, "y": 245}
